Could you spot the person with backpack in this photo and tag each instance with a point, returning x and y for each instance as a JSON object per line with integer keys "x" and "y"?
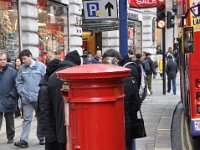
{"x": 149, "y": 70}
{"x": 171, "y": 70}
{"x": 132, "y": 101}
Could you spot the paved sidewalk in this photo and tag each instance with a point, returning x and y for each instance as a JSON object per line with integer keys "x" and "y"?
{"x": 157, "y": 111}
{"x": 33, "y": 141}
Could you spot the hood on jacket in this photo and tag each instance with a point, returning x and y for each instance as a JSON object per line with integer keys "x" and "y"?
{"x": 63, "y": 64}
{"x": 52, "y": 67}
{"x": 74, "y": 57}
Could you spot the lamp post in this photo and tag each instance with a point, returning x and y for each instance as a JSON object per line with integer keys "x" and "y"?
{"x": 123, "y": 27}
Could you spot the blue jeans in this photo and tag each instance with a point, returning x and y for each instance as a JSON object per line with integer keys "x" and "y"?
{"x": 133, "y": 144}
{"x": 173, "y": 81}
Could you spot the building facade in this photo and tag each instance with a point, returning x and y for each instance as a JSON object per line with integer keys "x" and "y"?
{"x": 42, "y": 26}
{"x": 57, "y": 26}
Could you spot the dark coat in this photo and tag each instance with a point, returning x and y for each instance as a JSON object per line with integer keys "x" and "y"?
{"x": 152, "y": 68}
{"x": 171, "y": 69}
{"x": 56, "y": 102}
{"x": 45, "y": 114}
{"x": 132, "y": 102}
{"x": 8, "y": 90}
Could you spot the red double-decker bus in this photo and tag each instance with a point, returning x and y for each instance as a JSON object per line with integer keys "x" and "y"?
{"x": 190, "y": 62}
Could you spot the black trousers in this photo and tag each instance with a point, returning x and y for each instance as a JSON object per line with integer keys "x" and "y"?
{"x": 10, "y": 126}
{"x": 55, "y": 146}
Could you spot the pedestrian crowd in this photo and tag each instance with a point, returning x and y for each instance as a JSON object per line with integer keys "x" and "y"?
{"x": 32, "y": 86}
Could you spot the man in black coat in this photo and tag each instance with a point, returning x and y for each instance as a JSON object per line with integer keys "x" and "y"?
{"x": 56, "y": 100}
{"x": 171, "y": 70}
{"x": 45, "y": 114}
{"x": 8, "y": 96}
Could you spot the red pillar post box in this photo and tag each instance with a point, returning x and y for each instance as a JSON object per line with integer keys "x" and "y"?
{"x": 94, "y": 106}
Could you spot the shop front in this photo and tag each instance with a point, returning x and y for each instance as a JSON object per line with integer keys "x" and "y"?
{"x": 135, "y": 36}
{"x": 9, "y": 33}
{"x": 51, "y": 28}
{"x": 104, "y": 34}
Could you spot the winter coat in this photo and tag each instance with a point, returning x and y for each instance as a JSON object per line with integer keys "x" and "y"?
{"x": 28, "y": 80}
{"x": 8, "y": 90}
{"x": 132, "y": 102}
{"x": 171, "y": 69}
{"x": 152, "y": 68}
{"x": 46, "y": 118}
{"x": 56, "y": 102}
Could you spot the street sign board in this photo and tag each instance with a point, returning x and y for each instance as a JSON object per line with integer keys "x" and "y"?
{"x": 102, "y": 9}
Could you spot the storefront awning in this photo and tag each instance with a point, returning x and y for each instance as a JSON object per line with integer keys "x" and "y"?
{"x": 102, "y": 25}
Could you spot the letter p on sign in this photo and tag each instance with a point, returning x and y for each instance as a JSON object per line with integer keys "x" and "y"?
{"x": 92, "y": 8}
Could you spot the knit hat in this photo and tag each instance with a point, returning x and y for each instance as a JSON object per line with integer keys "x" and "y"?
{"x": 52, "y": 66}
{"x": 74, "y": 57}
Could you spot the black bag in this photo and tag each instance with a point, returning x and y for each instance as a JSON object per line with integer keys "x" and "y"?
{"x": 138, "y": 128}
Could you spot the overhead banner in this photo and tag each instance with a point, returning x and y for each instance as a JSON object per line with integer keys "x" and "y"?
{"x": 142, "y": 3}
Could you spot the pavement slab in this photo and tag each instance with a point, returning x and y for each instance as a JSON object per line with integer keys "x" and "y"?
{"x": 157, "y": 111}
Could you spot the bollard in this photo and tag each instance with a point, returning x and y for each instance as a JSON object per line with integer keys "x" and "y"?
{"x": 94, "y": 106}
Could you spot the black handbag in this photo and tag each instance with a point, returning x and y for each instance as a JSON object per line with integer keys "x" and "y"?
{"x": 138, "y": 128}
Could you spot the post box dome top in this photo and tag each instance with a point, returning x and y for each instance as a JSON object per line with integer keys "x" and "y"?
{"x": 93, "y": 71}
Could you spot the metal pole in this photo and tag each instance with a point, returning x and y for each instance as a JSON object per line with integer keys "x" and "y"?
{"x": 19, "y": 26}
{"x": 164, "y": 73}
{"x": 123, "y": 44}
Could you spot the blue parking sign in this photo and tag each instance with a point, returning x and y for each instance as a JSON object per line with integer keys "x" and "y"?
{"x": 92, "y": 8}
{"x": 100, "y": 9}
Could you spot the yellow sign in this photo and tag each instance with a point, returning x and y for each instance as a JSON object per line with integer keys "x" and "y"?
{"x": 195, "y": 21}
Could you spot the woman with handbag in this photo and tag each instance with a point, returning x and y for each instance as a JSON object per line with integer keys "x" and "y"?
{"x": 134, "y": 126}
{"x": 132, "y": 102}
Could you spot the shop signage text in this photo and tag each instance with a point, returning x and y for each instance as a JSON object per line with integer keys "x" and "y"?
{"x": 133, "y": 16}
{"x": 100, "y": 9}
{"x": 142, "y": 3}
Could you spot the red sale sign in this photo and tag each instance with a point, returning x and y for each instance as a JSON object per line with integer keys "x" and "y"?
{"x": 142, "y": 3}
{"x": 6, "y": 4}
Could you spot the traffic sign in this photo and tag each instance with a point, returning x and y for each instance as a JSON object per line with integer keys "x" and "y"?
{"x": 102, "y": 9}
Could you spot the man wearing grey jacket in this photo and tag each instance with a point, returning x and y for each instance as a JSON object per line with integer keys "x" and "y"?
{"x": 27, "y": 82}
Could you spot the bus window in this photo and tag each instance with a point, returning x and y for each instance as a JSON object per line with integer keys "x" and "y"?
{"x": 188, "y": 40}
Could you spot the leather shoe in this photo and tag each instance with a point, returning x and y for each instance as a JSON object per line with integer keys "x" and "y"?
{"x": 22, "y": 144}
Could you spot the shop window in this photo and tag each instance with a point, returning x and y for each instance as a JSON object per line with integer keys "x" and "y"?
{"x": 135, "y": 37}
{"x": 53, "y": 30}
{"x": 9, "y": 35}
